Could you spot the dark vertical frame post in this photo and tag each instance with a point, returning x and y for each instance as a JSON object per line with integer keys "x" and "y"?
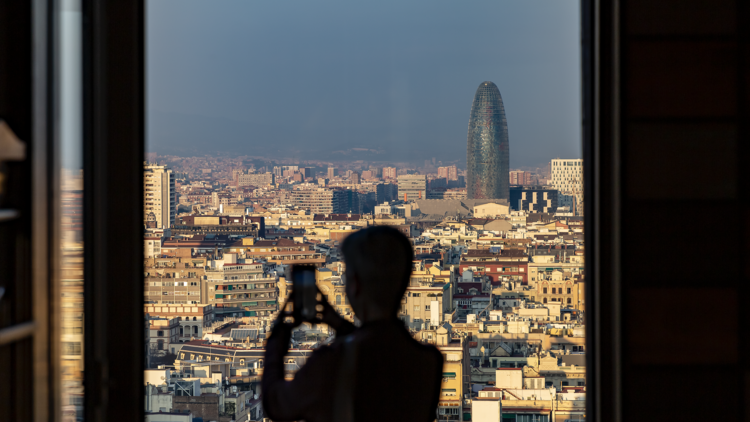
{"x": 601, "y": 153}
{"x": 113, "y": 193}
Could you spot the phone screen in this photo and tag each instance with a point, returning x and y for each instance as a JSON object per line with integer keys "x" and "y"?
{"x": 305, "y": 292}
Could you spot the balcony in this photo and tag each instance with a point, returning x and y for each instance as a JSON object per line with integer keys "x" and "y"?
{"x": 247, "y": 291}
{"x": 261, "y": 304}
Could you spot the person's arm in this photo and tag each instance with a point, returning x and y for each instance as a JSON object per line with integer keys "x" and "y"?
{"x": 293, "y": 400}
{"x": 297, "y": 399}
{"x": 332, "y": 318}
{"x": 273, "y": 368}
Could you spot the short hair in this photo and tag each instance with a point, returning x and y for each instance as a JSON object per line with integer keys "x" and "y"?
{"x": 381, "y": 257}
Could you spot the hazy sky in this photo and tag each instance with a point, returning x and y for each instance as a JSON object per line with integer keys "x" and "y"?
{"x": 303, "y": 78}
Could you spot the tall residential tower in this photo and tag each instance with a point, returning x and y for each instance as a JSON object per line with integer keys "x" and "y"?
{"x": 159, "y": 195}
{"x": 487, "y": 156}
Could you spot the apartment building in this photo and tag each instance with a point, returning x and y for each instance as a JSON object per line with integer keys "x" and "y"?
{"x": 453, "y": 402}
{"x": 159, "y": 195}
{"x": 424, "y": 306}
{"x": 560, "y": 289}
{"x": 278, "y": 251}
{"x": 412, "y": 187}
{"x": 547, "y": 259}
{"x": 245, "y": 287}
{"x": 448, "y": 173}
{"x": 319, "y": 201}
{"x": 389, "y": 173}
{"x": 499, "y": 265}
{"x": 182, "y": 291}
{"x": 520, "y": 177}
{"x": 567, "y": 177}
{"x": 240, "y": 225}
{"x": 163, "y": 332}
{"x": 192, "y": 319}
{"x": 255, "y": 179}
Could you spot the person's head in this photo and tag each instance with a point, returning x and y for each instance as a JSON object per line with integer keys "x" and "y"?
{"x": 378, "y": 266}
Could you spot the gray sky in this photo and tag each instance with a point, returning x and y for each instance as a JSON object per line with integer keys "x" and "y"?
{"x": 303, "y": 78}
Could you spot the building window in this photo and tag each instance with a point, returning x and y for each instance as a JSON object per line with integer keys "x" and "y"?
{"x": 544, "y": 290}
{"x": 71, "y": 348}
{"x": 160, "y": 333}
{"x": 568, "y": 290}
{"x": 338, "y": 299}
{"x": 544, "y": 300}
{"x": 416, "y": 308}
{"x": 570, "y": 301}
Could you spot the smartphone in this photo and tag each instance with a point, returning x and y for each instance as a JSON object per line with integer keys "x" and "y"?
{"x": 305, "y": 292}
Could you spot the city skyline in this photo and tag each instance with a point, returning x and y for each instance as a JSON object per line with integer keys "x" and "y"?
{"x": 234, "y": 78}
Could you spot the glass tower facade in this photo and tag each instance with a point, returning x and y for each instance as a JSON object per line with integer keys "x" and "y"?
{"x": 487, "y": 156}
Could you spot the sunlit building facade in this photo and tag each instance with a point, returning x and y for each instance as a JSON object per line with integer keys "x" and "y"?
{"x": 487, "y": 155}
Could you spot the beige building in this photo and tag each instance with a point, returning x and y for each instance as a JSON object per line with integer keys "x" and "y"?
{"x": 242, "y": 286}
{"x": 255, "y": 179}
{"x": 455, "y": 386}
{"x": 542, "y": 267}
{"x": 490, "y": 210}
{"x": 162, "y": 333}
{"x": 412, "y": 187}
{"x": 193, "y": 319}
{"x": 564, "y": 290}
{"x": 159, "y": 195}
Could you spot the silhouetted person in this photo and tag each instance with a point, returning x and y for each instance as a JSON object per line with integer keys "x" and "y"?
{"x": 376, "y": 372}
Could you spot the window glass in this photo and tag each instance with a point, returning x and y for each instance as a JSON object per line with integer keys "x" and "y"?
{"x": 276, "y": 131}
{"x": 69, "y": 106}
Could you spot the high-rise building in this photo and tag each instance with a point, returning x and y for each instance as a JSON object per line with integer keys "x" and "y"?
{"x": 567, "y": 177}
{"x": 354, "y": 178}
{"x": 520, "y": 178}
{"x": 412, "y": 186}
{"x": 389, "y": 173}
{"x": 448, "y": 173}
{"x": 332, "y": 172}
{"x": 159, "y": 196}
{"x": 320, "y": 201}
{"x": 487, "y": 155}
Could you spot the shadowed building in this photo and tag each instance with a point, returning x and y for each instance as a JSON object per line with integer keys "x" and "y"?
{"x": 487, "y": 156}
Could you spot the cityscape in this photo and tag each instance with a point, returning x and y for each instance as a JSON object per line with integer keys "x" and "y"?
{"x": 497, "y": 281}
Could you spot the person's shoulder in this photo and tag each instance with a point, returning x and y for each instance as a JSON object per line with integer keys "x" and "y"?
{"x": 429, "y": 351}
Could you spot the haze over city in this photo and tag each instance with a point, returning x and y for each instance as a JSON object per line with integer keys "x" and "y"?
{"x": 377, "y": 82}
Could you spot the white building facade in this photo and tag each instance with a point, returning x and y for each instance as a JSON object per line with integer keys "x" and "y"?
{"x": 567, "y": 177}
{"x": 159, "y": 196}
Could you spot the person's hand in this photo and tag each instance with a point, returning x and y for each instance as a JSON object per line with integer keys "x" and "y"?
{"x": 285, "y": 320}
{"x": 327, "y": 314}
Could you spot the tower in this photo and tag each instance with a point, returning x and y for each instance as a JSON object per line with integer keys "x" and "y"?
{"x": 487, "y": 155}
{"x": 159, "y": 195}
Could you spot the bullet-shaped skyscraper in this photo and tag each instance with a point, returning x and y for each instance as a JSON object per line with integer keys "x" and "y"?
{"x": 487, "y": 156}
